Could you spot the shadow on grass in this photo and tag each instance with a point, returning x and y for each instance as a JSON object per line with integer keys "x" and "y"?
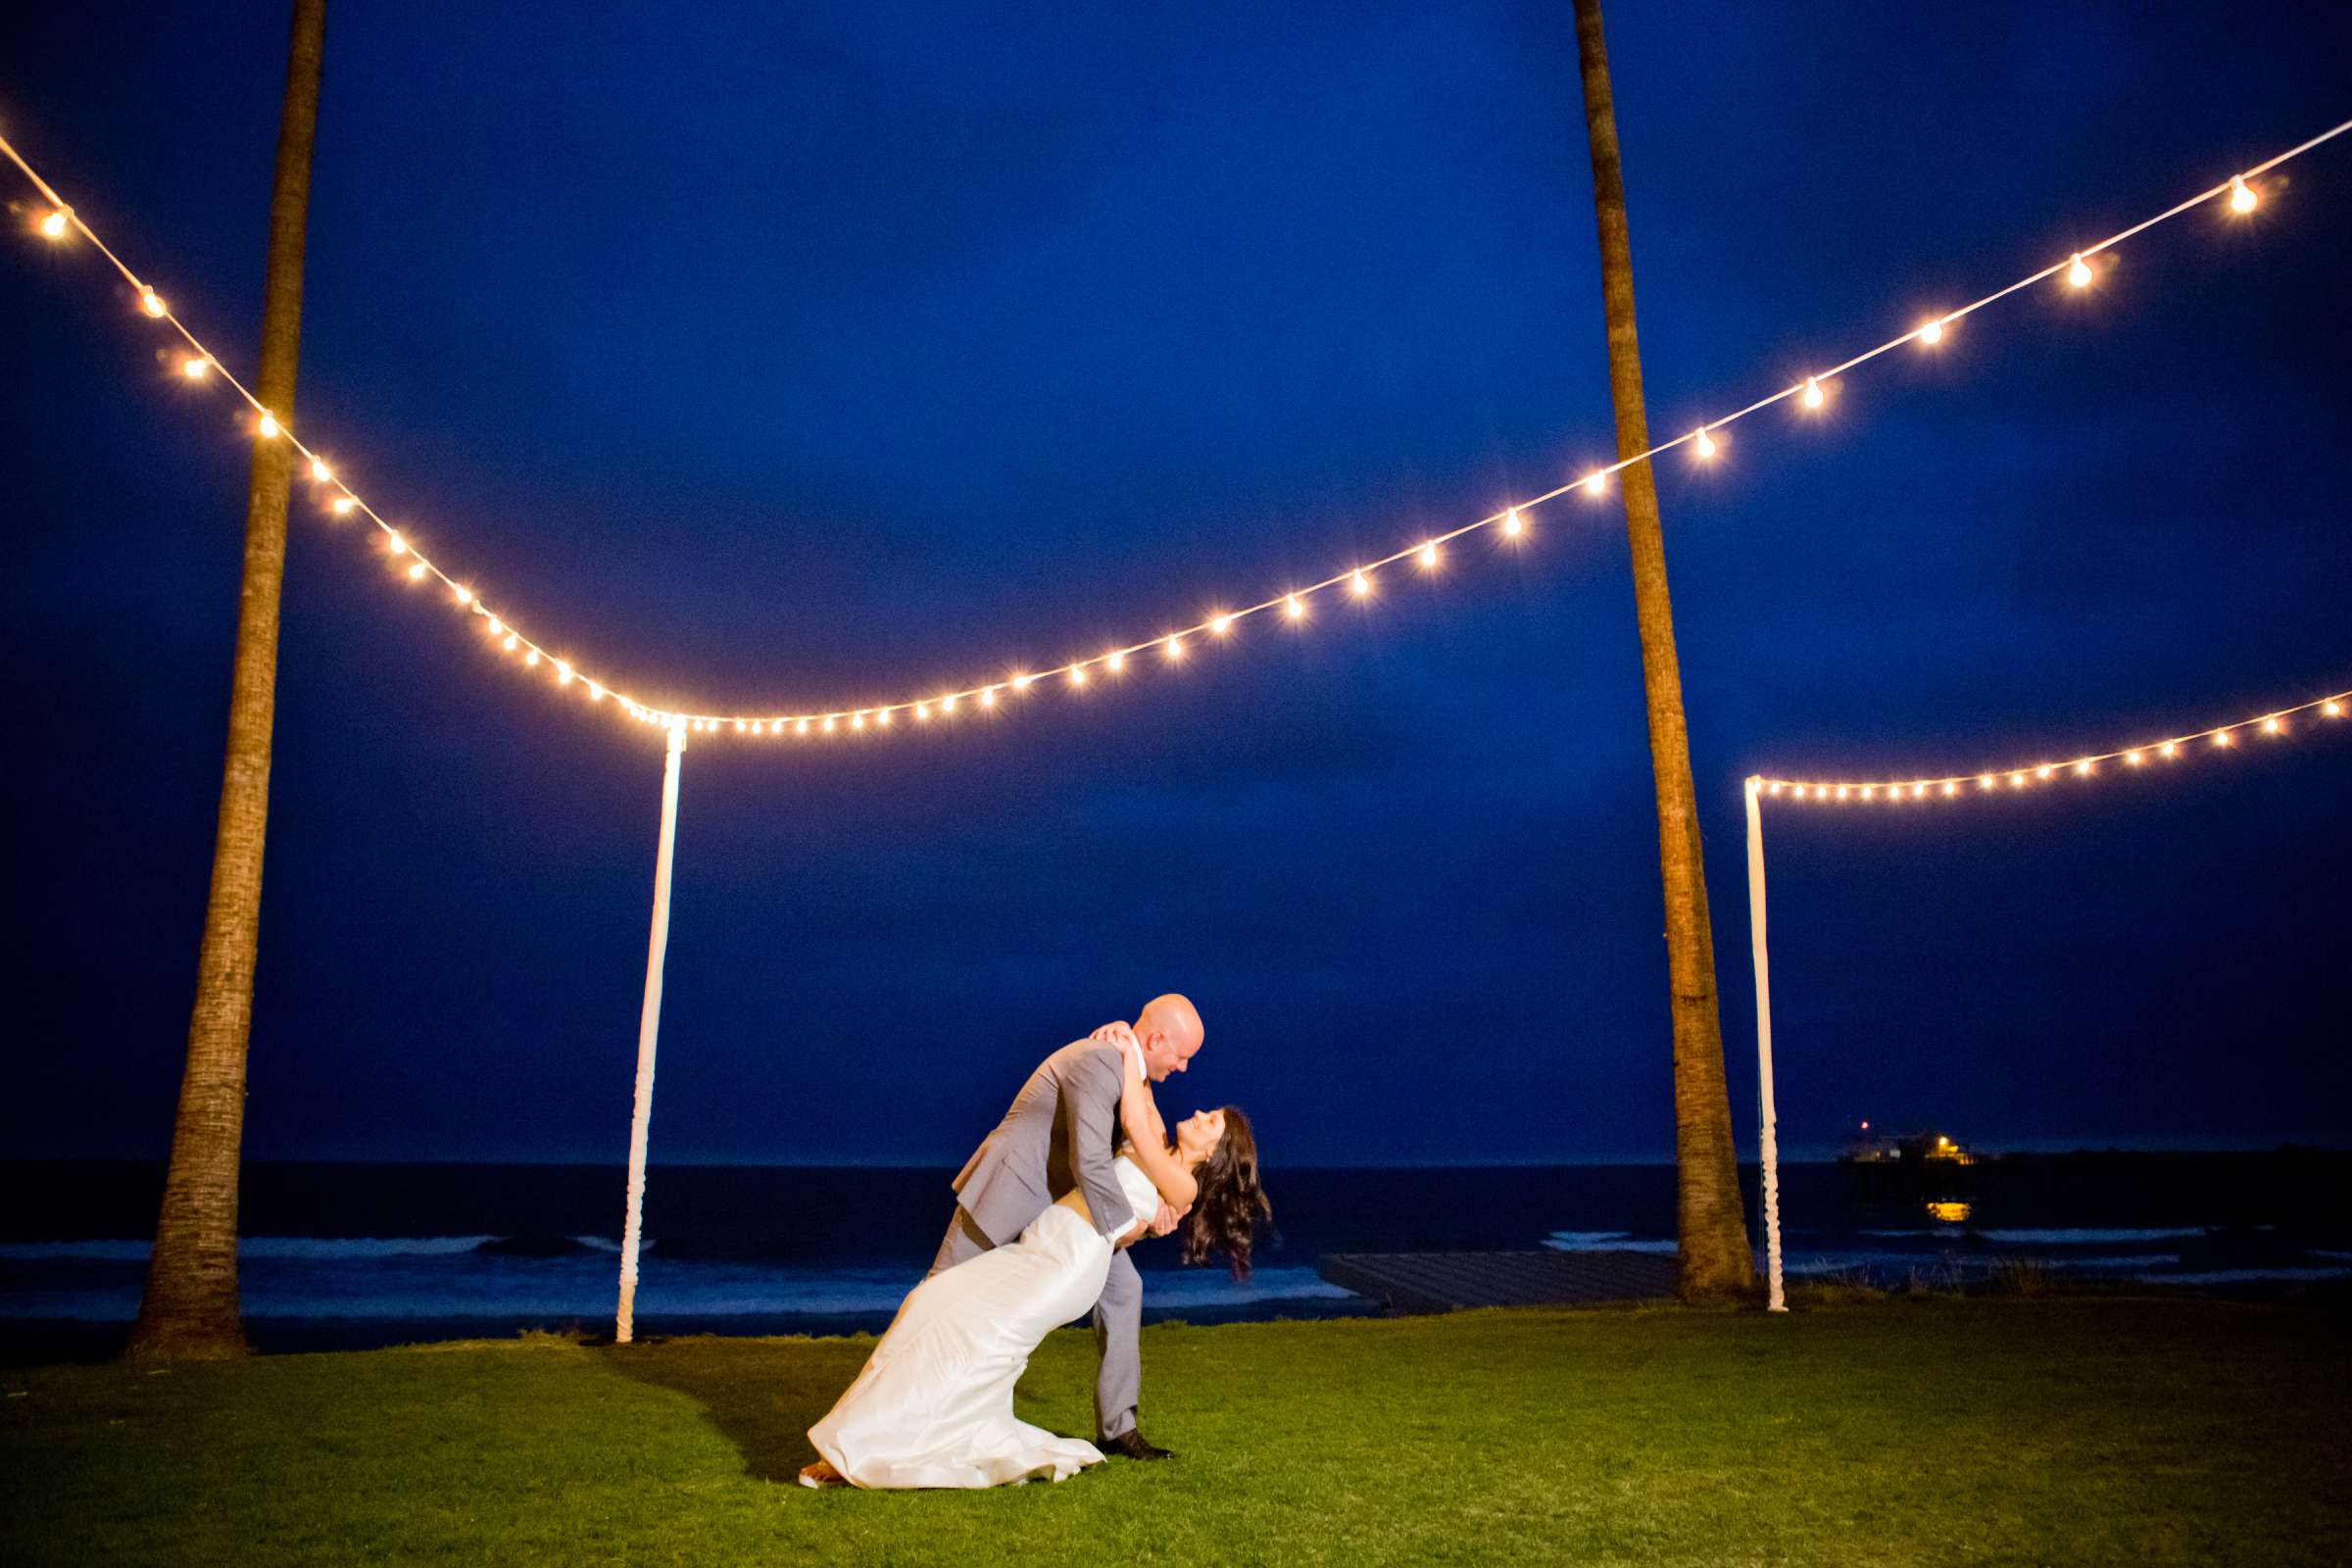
{"x": 762, "y": 1394}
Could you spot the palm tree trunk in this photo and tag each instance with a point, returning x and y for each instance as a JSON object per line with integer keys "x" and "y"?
{"x": 1716, "y": 1261}
{"x": 189, "y": 1310}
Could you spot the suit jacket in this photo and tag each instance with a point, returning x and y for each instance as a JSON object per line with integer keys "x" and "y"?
{"x": 1058, "y": 1135}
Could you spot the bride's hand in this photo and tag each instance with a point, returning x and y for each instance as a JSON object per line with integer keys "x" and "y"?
{"x": 1113, "y": 1033}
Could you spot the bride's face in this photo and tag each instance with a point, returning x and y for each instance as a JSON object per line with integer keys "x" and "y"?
{"x": 1197, "y": 1135}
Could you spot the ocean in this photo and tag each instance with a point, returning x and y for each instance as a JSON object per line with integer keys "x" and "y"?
{"x": 355, "y": 1255}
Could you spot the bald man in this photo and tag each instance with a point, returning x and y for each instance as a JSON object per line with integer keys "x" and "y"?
{"x": 1060, "y": 1134}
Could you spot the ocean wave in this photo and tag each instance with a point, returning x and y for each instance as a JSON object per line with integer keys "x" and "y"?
{"x": 2242, "y": 1276}
{"x": 1607, "y": 1242}
{"x": 2071, "y": 1237}
{"x": 305, "y": 1249}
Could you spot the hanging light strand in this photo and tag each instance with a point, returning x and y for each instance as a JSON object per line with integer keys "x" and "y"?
{"x": 62, "y": 220}
{"x": 2278, "y": 725}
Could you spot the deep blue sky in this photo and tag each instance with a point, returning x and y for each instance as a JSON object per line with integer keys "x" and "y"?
{"x": 782, "y": 356}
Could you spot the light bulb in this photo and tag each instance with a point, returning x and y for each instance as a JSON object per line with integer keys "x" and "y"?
{"x": 497, "y": 626}
{"x": 2082, "y": 768}
{"x": 802, "y": 727}
{"x": 1219, "y": 625}
{"x": 1983, "y": 781}
{"x": 462, "y": 594}
{"x": 194, "y": 368}
{"x": 1077, "y": 674}
{"x": 2272, "y": 725}
{"x": 596, "y": 693}
{"x": 1513, "y": 525}
{"x": 1814, "y": 396}
{"x": 1359, "y": 584}
{"x": 1706, "y": 444}
{"x": 883, "y": 719}
{"x": 1175, "y": 647}
{"x": 2044, "y": 770}
{"x": 2132, "y": 758}
{"x": 2017, "y": 781}
{"x": 1596, "y": 482}
{"x": 1020, "y": 683}
{"x": 947, "y": 704}
{"x": 856, "y": 721}
{"x": 510, "y": 642}
{"x": 53, "y": 225}
{"x": 987, "y": 698}
{"x": 828, "y": 724}
{"x": 1842, "y": 792}
{"x": 2079, "y": 274}
{"x": 922, "y": 713}
{"x": 2220, "y": 737}
{"x": 1115, "y": 660}
{"x": 1429, "y": 555}
{"x": 268, "y": 427}
{"x": 319, "y": 470}
{"x": 1869, "y": 791}
{"x": 1950, "y": 787}
{"x": 341, "y": 505}
{"x": 417, "y": 572}
{"x": 1932, "y": 333}
{"x": 739, "y": 726}
{"x": 562, "y": 672}
{"x": 531, "y": 658}
{"x": 2169, "y": 749}
{"x": 2333, "y": 708}
{"x": 151, "y": 302}
{"x": 2241, "y": 194}
{"x": 1295, "y": 606}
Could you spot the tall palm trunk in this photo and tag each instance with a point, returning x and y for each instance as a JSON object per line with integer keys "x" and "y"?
{"x": 1715, "y": 1259}
{"x": 189, "y": 1309}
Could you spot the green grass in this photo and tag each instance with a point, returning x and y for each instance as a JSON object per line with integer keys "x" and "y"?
{"x": 1939, "y": 1430}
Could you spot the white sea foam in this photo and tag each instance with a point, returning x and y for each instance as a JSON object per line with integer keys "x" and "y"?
{"x": 2244, "y": 1276}
{"x": 1607, "y": 1242}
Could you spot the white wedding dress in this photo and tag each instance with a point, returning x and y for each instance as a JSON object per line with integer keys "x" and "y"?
{"x": 933, "y": 1406}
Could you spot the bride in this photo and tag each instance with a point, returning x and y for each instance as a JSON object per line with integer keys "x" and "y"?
{"x": 933, "y": 1406}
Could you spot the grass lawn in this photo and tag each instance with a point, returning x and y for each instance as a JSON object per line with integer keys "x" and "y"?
{"x": 1935, "y": 1431}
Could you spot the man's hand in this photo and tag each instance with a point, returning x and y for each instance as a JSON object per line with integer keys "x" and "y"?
{"x": 1167, "y": 1219}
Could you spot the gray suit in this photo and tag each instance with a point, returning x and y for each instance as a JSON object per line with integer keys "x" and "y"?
{"x": 1059, "y": 1135}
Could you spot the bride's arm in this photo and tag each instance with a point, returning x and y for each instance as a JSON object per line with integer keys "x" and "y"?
{"x": 1147, "y": 1137}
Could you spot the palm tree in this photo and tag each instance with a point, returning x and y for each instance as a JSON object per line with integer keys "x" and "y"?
{"x": 189, "y": 1310}
{"x": 1716, "y": 1263}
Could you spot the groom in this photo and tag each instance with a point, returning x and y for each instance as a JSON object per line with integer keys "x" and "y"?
{"x": 1059, "y": 1134}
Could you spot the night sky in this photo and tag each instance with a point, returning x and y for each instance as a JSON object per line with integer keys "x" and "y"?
{"x": 775, "y": 357}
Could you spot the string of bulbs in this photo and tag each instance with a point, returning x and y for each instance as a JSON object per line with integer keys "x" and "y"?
{"x": 2276, "y": 724}
{"x": 60, "y": 221}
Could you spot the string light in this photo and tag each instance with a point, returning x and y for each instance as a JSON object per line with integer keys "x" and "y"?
{"x": 1115, "y": 660}
{"x": 2086, "y": 766}
{"x": 1219, "y": 625}
{"x": 1077, "y": 678}
{"x": 417, "y": 572}
{"x": 319, "y": 470}
{"x": 199, "y": 364}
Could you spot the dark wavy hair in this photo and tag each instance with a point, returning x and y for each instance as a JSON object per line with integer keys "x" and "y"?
{"x": 1231, "y": 1204}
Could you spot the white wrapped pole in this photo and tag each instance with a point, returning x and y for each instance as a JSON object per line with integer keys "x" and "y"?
{"x": 1769, "y": 1150}
{"x": 649, "y": 1029}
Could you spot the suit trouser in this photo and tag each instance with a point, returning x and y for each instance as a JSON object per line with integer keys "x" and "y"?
{"x": 1118, "y": 1325}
